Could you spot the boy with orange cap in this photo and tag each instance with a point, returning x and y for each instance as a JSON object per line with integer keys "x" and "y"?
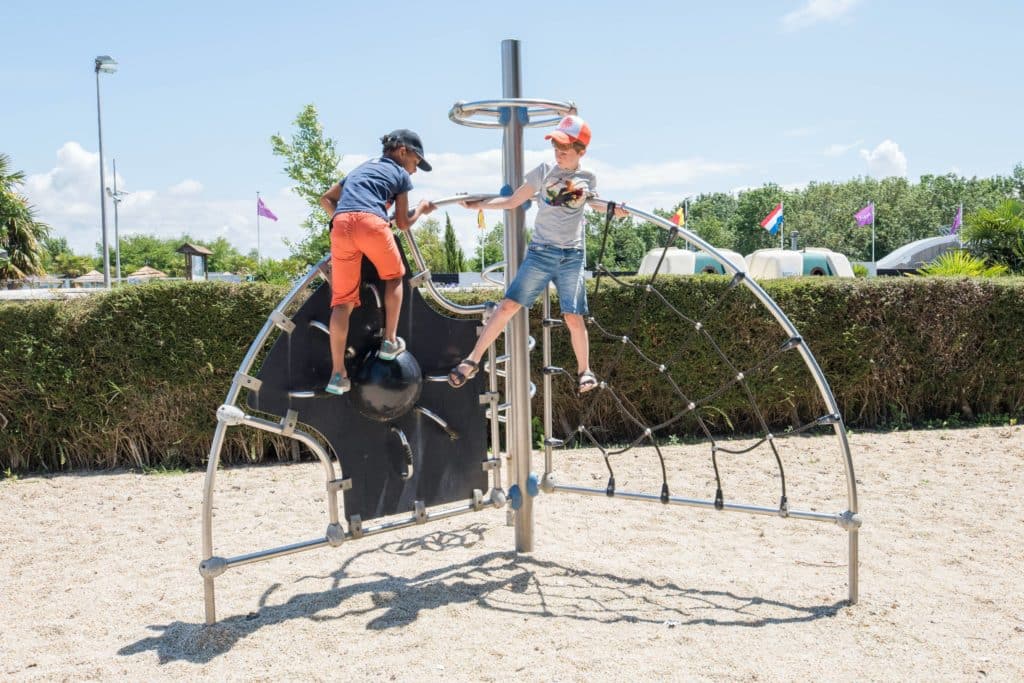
{"x": 556, "y": 251}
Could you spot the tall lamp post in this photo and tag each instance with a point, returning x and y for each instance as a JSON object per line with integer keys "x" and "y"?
{"x": 116, "y": 196}
{"x": 107, "y": 65}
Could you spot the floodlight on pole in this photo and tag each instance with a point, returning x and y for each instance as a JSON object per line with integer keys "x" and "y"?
{"x": 107, "y": 65}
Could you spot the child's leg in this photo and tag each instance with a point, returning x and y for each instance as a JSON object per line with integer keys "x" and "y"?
{"x": 339, "y": 337}
{"x": 506, "y": 309}
{"x": 392, "y": 307}
{"x": 346, "y": 261}
{"x": 572, "y": 297}
{"x": 580, "y": 339}
{"x": 374, "y": 238}
{"x": 533, "y": 276}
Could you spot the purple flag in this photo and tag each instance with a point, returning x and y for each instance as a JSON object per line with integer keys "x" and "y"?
{"x": 958, "y": 220}
{"x": 262, "y": 210}
{"x": 865, "y": 216}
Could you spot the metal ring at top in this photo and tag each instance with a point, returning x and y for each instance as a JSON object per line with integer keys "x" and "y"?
{"x": 462, "y": 112}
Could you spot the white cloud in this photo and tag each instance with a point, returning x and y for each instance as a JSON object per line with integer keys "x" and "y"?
{"x": 67, "y": 197}
{"x": 187, "y": 186}
{"x": 838, "y": 149}
{"x": 885, "y": 160}
{"x": 816, "y": 11}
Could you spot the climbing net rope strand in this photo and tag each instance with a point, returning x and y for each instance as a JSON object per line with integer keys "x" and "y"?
{"x": 737, "y": 378}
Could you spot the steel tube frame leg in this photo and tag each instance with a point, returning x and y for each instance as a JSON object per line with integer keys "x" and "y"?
{"x": 518, "y": 371}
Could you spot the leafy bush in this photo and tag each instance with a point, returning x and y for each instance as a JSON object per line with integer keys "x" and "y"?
{"x": 959, "y": 263}
{"x": 133, "y": 377}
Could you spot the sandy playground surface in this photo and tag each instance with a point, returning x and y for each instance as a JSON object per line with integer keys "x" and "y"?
{"x": 100, "y": 576}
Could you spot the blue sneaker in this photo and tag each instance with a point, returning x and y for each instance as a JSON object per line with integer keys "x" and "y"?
{"x": 338, "y": 385}
{"x": 390, "y": 350}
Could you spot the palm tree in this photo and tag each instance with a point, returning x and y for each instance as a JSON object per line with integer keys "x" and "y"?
{"x": 21, "y": 235}
{"x": 961, "y": 263}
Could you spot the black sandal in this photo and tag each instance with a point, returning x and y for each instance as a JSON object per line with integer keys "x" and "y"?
{"x": 587, "y": 381}
{"x": 456, "y": 378}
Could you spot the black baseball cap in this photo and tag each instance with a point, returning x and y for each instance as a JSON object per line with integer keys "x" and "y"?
{"x": 404, "y": 136}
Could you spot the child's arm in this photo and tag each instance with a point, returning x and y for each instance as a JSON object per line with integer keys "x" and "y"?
{"x": 329, "y": 199}
{"x": 518, "y": 198}
{"x": 404, "y": 218}
{"x": 601, "y": 205}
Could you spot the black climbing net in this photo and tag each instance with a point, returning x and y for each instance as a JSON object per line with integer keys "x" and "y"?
{"x": 744, "y": 384}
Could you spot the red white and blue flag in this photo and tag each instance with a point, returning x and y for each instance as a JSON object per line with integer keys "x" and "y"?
{"x": 773, "y": 221}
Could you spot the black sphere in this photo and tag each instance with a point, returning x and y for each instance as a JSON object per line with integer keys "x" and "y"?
{"x": 387, "y": 389}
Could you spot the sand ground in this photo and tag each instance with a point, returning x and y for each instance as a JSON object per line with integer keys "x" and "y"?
{"x": 100, "y": 575}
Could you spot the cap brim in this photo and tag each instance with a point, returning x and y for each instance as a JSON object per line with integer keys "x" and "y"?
{"x": 558, "y": 136}
{"x": 424, "y": 165}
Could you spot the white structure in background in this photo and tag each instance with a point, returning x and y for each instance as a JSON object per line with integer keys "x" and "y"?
{"x": 685, "y": 262}
{"x": 913, "y": 255}
{"x": 766, "y": 264}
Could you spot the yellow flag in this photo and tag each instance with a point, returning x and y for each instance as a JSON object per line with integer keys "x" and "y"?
{"x": 679, "y": 217}
{"x": 480, "y": 219}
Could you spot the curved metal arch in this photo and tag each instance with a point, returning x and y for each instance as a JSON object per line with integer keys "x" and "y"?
{"x": 851, "y": 517}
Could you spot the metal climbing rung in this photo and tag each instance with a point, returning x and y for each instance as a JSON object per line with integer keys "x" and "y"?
{"x": 503, "y": 358}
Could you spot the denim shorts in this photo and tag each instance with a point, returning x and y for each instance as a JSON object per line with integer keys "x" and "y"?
{"x": 544, "y": 263}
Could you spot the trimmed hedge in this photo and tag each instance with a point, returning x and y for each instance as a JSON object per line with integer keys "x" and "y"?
{"x": 133, "y": 378}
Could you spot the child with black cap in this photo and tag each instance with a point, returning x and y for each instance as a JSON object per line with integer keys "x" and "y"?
{"x": 358, "y": 205}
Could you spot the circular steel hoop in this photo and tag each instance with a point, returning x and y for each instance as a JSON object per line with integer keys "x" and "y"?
{"x": 463, "y": 113}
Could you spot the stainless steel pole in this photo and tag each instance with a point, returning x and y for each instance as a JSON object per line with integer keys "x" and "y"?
{"x": 117, "y": 237}
{"x": 103, "y": 187}
{"x": 517, "y": 381}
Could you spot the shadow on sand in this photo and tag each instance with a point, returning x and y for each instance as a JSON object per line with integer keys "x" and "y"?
{"x": 501, "y": 581}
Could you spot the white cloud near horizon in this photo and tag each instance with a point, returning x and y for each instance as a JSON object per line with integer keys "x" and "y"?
{"x": 66, "y": 198}
{"x": 887, "y": 159}
{"x": 838, "y": 149}
{"x": 187, "y": 186}
{"x": 817, "y": 11}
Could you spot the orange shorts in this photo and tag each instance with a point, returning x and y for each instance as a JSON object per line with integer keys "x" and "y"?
{"x": 352, "y": 236}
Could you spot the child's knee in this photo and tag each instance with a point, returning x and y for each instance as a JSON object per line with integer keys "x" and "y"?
{"x": 509, "y": 306}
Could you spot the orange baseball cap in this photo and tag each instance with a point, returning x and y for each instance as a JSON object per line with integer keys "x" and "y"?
{"x": 571, "y": 129}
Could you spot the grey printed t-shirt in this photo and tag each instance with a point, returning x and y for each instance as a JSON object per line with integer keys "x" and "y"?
{"x": 562, "y": 199}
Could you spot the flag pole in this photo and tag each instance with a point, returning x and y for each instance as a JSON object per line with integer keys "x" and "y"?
{"x": 257, "y": 228}
{"x": 873, "y": 235}
{"x": 782, "y": 225}
{"x": 960, "y": 228}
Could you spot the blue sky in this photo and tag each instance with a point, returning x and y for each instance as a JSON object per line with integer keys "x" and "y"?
{"x": 682, "y": 98}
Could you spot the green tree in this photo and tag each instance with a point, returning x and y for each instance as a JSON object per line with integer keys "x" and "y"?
{"x": 490, "y": 248}
{"x": 21, "y": 235}
{"x": 311, "y": 161}
{"x": 149, "y": 250}
{"x": 454, "y": 259}
{"x": 751, "y": 207}
{"x": 280, "y": 272}
{"x": 997, "y": 234}
{"x": 427, "y": 234}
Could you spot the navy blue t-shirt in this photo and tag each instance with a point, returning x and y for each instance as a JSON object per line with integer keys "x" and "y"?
{"x": 372, "y": 186}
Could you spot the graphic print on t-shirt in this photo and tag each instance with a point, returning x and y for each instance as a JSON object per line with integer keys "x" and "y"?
{"x": 565, "y": 193}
